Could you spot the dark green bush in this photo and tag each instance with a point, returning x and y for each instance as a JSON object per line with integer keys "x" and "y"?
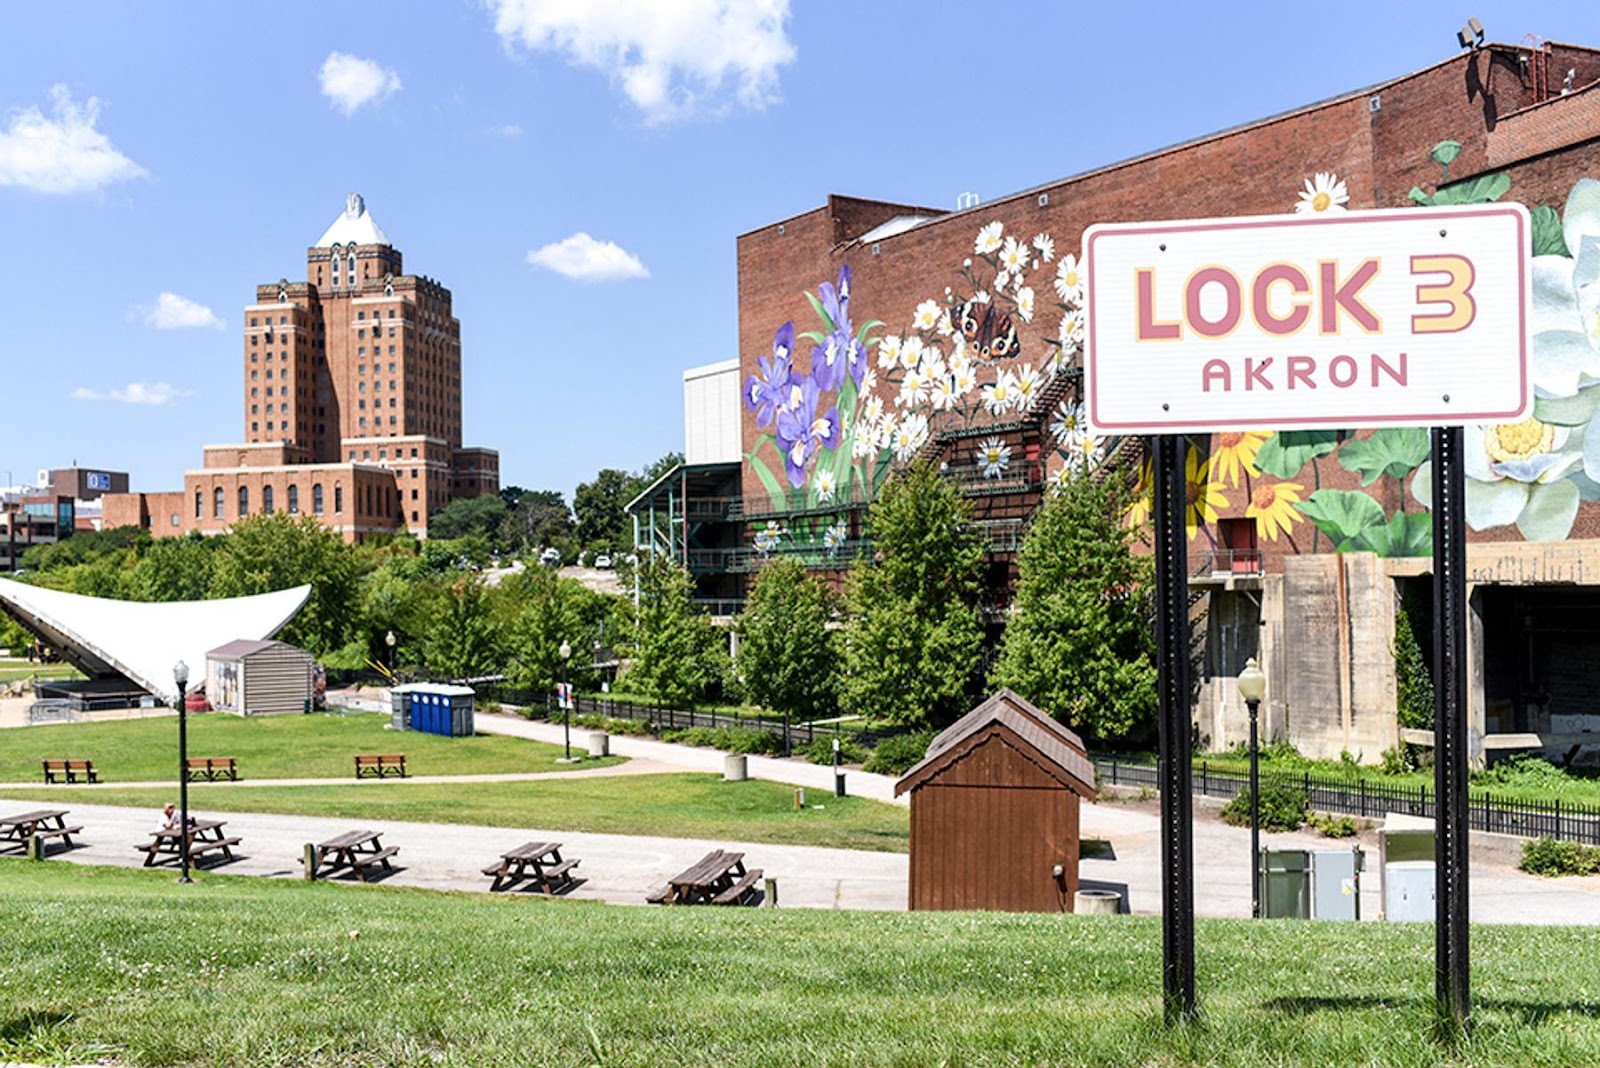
{"x": 1527, "y": 771}
{"x": 1546, "y": 856}
{"x": 820, "y": 751}
{"x": 1398, "y": 760}
{"x": 899, "y": 753}
{"x": 728, "y": 739}
{"x": 1283, "y": 808}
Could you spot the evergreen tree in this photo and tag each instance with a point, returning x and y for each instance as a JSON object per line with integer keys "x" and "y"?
{"x": 1413, "y": 682}
{"x": 913, "y": 632}
{"x": 788, "y": 659}
{"x": 1079, "y": 644}
{"x": 680, "y": 657}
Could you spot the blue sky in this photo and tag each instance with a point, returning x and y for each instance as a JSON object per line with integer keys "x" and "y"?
{"x": 196, "y": 149}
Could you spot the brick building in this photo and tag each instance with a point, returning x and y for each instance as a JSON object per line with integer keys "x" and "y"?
{"x": 351, "y": 403}
{"x": 977, "y": 369}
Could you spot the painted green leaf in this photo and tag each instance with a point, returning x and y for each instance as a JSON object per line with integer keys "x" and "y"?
{"x": 1473, "y": 191}
{"x": 861, "y": 334}
{"x": 1419, "y": 196}
{"x": 816, "y": 337}
{"x": 1286, "y": 452}
{"x": 780, "y": 499}
{"x": 1548, "y": 239}
{"x": 822, "y": 313}
{"x": 1393, "y": 451}
{"x": 1405, "y": 534}
{"x": 1342, "y": 514}
{"x": 1445, "y": 152}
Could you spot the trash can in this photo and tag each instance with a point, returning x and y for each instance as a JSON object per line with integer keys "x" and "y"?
{"x": 1091, "y": 902}
{"x": 400, "y": 708}
{"x": 599, "y": 744}
{"x": 1286, "y": 884}
{"x": 735, "y": 767}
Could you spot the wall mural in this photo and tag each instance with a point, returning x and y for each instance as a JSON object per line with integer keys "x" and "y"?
{"x": 870, "y": 398}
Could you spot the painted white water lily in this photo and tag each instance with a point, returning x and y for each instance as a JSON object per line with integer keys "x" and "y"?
{"x": 1566, "y": 306}
{"x": 1522, "y": 473}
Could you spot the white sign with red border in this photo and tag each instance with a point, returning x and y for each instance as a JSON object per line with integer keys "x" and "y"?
{"x": 1412, "y": 317}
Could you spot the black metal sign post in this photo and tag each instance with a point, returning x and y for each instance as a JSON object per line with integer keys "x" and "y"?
{"x": 1450, "y": 730}
{"x": 1177, "y": 809}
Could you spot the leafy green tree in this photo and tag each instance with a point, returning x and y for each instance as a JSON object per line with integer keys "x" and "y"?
{"x": 274, "y": 552}
{"x": 1079, "y": 643}
{"x": 603, "y": 525}
{"x": 174, "y": 569}
{"x": 1413, "y": 680}
{"x": 680, "y": 656}
{"x": 84, "y": 547}
{"x": 482, "y": 516}
{"x": 788, "y": 659}
{"x": 538, "y": 610}
{"x": 461, "y": 640}
{"x": 538, "y": 518}
{"x": 913, "y": 633}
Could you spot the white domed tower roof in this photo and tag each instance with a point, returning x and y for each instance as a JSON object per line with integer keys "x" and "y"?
{"x": 354, "y": 226}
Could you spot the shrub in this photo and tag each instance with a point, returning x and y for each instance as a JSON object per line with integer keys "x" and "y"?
{"x": 1283, "y": 808}
{"x": 1546, "y": 856}
{"x": 1526, "y": 771}
{"x": 1398, "y": 760}
{"x": 1333, "y": 826}
{"x": 898, "y": 753}
{"x": 488, "y": 707}
{"x": 728, "y": 739}
{"x": 820, "y": 751}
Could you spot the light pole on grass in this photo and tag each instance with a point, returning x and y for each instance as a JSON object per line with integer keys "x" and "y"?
{"x": 1252, "y": 687}
{"x": 180, "y": 674}
{"x": 566, "y": 698}
{"x": 388, "y": 639}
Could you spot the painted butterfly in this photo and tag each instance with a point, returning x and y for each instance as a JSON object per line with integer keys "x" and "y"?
{"x": 989, "y": 332}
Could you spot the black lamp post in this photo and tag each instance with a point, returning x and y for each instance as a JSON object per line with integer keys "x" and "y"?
{"x": 1252, "y": 687}
{"x": 566, "y": 699}
{"x": 180, "y": 674}
{"x": 388, "y": 639}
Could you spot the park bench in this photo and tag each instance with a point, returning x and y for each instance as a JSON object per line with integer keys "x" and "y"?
{"x": 210, "y": 768}
{"x": 718, "y": 878}
{"x": 539, "y": 861}
{"x": 68, "y": 770}
{"x": 380, "y": 764}
{"x": 741, "y": 892}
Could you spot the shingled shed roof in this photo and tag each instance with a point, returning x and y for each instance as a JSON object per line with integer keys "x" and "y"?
{"x": 1057, "y": 750}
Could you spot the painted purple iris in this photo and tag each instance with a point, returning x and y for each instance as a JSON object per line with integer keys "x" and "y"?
{"x": 839, "y": 353}
{"x": 801, "y": 432}
{"x": 769, "y": 392}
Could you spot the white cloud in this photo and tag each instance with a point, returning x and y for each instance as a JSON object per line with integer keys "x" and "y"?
{"x": 350, "y": 81}
{"x": 155, "y": 394}
{"x": 172, "y": 312}
{"x": 673, "y": 60}
{"x": 587, "y": 260}
{"x": 64, "y": 153}
{"x": 510, "y": 129}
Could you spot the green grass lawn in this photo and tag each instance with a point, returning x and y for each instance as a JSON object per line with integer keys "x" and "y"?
{"x": 320, "y": 745}
{"x": 12, "y": 668}
{"x": 1583, "y": 788}
{"x": 667, "y": 805}
{"x": 126, "y": 965}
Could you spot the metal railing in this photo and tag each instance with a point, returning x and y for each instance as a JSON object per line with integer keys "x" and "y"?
{"x": 1568, "y": 821}
{"x": 1230, "y": 562}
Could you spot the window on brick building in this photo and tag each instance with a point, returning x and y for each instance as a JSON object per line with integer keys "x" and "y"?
{"x": 217, "y": 499}
{"x": 266, "y": 500}
{"x": 316, "y": 498}
{"x": 294, "y": 500}
{"x": 338, "y": 500}
{"x": 244, "y": 501}
{"x": 197, "y": 504}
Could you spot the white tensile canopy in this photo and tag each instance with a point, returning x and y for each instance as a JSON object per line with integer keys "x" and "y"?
{"x": 144, "y": 641}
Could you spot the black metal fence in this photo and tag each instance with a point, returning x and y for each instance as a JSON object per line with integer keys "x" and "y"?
{"x": 1565, "y": 820}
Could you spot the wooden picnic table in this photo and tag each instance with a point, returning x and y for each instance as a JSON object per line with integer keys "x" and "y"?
{"x": 718, "y": 878}
{"x": 204, "y": 837}
{"x": 544, "y": 858}
{"x": 356, "y": 850}
{"x": 44, "y": 823}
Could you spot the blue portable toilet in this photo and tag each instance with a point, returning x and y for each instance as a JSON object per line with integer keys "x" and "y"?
{"x": 441, "y": 709}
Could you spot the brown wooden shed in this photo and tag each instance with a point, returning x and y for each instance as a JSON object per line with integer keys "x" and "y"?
{"x": 994, "y": 811}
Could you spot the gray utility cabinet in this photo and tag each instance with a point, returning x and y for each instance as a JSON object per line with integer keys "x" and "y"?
{"x": 1408, "y": 875}
{"x": 1311, "y": 884}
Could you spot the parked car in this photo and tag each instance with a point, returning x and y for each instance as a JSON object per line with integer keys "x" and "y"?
{"x": 551, "y": 557}
{"x": 602, "y": 561}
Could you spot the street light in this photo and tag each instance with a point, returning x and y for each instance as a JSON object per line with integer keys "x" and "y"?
{"x": 180, "y": 673}
{"x": 388, "y": 639}
{"x": 566, "y": 698}
{"x": 1252, "y": 687}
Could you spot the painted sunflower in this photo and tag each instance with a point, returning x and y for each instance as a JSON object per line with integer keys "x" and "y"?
{"x": 1204, "y": 497}
{"x": 1272, "y": 507}
{"x": 1235, "y": 451}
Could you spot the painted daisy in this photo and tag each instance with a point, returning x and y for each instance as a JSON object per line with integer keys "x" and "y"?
{"x": 864, "y": 440}
{"x": 994, "y": 456}
{"x": 1070, "y": 333}
{"x": 1087, "y": 452}
{"x": 1014, "y": 256}
{"x": 945, "y": 328}
{"x": 825, "y": 484}
{"x": 927, "y": 315}
{"x": 1046, "y": 245}
{"x": 964, "y": 381}
{"x": 1025, "y": 303}
{"x": 1325, "y": 192}
{"x": 1069, "y": 280}
{"x": 1069, "y": 423}
{"x": 1027, "y": 387}
{"x": 869, "y": 382}
{"x": 943, "y": 395}
{"x": 910, "y": 436}
{"x": 932, "y": 365}
{"x": 989, "y": 238}
{"x": 872, "y": 408}
{"x": 835, "y": 535}
{"x": 888, "y": 352}
{"x": 910, "y": 352}
{"x": 913, "y": 389}
{"x": 1001, "y": 394}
